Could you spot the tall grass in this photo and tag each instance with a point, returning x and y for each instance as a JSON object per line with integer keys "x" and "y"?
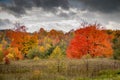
{"x": 47, "y": 69}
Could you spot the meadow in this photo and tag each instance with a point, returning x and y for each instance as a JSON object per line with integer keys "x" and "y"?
{"x": 61, "y": 69}
{"x": 88, "y": 53}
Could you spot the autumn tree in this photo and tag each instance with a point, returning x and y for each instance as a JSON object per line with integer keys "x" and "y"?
{"x": 14, "y": 53}
{"x": 56, "y": 36}
{"x": 57, "y": 53}
{"x": 45, "y": 46}
{"x": 92, "y": 40}
{"x": 22, "y": 40}
{"x": 42, "y": 33}
{"x": 4, "y": 51}
{"x": 29, "y": 42}
{"x": 63, "y": 46}
{"x": 34, "y": 52}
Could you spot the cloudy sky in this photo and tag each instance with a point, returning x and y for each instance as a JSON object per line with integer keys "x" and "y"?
{"x": 59, "y": 14}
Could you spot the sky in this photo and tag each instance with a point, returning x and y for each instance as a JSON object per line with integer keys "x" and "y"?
{"x": 59, "y": 14}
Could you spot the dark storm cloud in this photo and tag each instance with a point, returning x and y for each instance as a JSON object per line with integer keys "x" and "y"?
{"x": 102, "y": 5}
{"x": 19, "y": 6}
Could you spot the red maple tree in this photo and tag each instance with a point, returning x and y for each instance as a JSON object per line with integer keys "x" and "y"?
{"x": 90, "y": 40}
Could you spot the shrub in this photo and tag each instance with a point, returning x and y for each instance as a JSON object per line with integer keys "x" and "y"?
{"x": 116, "y": 54}
{"x": 87, "y": 56}
{"x": 36, "y": 58}
{"x": 33, "y": 53}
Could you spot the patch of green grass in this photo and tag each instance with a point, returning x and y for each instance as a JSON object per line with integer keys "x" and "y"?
{"x": 111, "y": 74}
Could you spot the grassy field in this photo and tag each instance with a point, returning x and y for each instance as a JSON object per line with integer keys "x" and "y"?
{"x": 65, "y": 69}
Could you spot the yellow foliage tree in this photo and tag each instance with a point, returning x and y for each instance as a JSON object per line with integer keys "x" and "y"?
{"x": 57, "y": 53}
{"x": 28, "y": 43}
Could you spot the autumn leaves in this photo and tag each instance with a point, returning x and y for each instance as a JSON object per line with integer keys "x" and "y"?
{"x": 90, "y": 40}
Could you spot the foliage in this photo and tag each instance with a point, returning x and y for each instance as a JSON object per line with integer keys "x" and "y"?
{"x": 1, "y": 56}
{"x": 22, "y": 40}
{"x": 49, "y": 51}
{"x": 25, "y": 42}
{"x": 28, "y": 43}
{"x": 57, "y": 53}
{"x": 116, "y": 44}
{"x": 35, "y": 52}
{"x": 90, "y": 40}
{"x": 10, "y": 56}
{"x": 14, "y": 53}
{"x": 116, "y": 54}
{"x": 63, "y": 46}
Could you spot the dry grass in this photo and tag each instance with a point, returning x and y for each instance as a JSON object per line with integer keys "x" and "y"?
{"x": 65, "y": 69}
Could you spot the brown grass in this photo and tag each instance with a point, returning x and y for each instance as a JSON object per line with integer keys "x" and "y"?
{"x": 47, "y": 69}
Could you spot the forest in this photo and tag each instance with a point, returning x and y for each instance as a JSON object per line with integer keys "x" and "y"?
{"x": 88, "y": 43}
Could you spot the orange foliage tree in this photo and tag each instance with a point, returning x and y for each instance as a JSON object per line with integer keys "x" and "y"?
{"x": 22, "y": 40}
{"x": 92, "y": 40}
{"x": 14, "y": 54}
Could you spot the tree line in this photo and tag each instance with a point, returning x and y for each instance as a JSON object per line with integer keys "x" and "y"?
{"x": 88, "y": 41}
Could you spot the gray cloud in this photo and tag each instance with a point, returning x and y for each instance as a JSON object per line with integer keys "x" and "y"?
{"x": 48, "y": 13}
{"x": 20, "y": 6}
{"x": 102, "y": 5}
{"x": 4, "y": 22}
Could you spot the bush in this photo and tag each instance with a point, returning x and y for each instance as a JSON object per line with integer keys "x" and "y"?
{"x": 116, "y": 47}
{"x": 35, "y": 52}
{"x": 87, "y": 56}
{"x": 116, "y": 54}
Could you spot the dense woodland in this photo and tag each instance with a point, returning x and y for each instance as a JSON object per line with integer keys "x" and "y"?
{"x": 90, "y": 41}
